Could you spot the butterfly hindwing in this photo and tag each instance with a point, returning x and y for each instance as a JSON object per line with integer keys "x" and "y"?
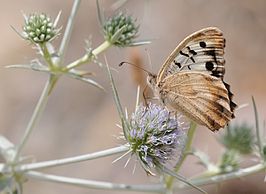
{"x": 201, "y": 51}
{"x": 202, "y": 97}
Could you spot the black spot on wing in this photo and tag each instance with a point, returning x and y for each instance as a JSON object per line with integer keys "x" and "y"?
{"x": 184, "y": 54}
{"x": 177, "y": 63}
{"x": 193, "y": 52}
{"x": 217, "y": 74}
{"x": 209, "y": 65}
{"x": 211, "y": 53}
{"x": 202, "y": 44}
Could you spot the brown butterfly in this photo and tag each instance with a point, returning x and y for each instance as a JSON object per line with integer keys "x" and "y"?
{"x": 191, "y": 80}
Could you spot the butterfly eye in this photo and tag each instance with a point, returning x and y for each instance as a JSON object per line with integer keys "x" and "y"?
{"x": 151, "y": 79}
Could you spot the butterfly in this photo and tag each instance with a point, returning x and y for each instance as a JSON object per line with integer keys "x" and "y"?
{"x": 191, "y": 80}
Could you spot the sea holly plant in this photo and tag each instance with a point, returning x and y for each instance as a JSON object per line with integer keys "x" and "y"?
{"x": 160, "y": 140}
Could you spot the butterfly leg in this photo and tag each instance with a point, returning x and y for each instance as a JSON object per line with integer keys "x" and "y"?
{"x": 145, "y": 97}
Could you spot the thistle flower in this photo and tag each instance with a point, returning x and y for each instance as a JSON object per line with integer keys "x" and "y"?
{"x": 239, "y": 138}
{"x": 156, "y": 136}
{"x": 39, "y": 28}
{"x": 120, "y": 30}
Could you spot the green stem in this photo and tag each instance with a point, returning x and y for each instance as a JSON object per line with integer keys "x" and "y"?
{"x": 36, "y": 114}
{"x": 46, "y": 55}
{"x": 190, "y": 135}
{"x": 105, "y": 45}
{"x": 88, "y": 57}
{"x": 70, "y": 160}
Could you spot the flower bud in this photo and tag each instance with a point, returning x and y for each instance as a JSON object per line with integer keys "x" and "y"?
{"x": 120, "y": 30}
{"x": 39, "y": 28}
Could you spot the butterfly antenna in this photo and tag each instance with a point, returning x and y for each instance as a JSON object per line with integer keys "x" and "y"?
{"x": 144, "y": 96}
{"x": 125, "y": 62}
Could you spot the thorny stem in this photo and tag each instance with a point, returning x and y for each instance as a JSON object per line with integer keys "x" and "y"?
{"x": 225, "y": 177}
{"x": 68, "y": 31}
{"x": 53, "y": 78}
{"x": 257, "y": 129}
{"x": 70, "y": 160}
{"x": 89, "y": 56}
{"x": 190, "y": 135}
{"x": 52, "y": 81}
{"x": 159, "y": 188}
{"x": 36, "y": 114}
{"x": 145, "y": 188}
{"x": 117, "y": 102}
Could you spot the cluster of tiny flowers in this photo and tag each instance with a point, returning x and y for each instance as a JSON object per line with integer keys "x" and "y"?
{"x": 114, "y": 24}
{"x": 239, "y": 138}
{"x": 39, "y": 28}
{"x": 156, "y": 136}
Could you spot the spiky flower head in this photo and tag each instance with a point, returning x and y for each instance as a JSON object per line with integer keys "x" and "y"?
{"x": 39, "y": 28}
{"x": 239, "y": 138}
{"x": 156, "y": 136}
{"x": 120, "y": 30}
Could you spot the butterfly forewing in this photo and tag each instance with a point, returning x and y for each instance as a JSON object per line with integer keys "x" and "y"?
{"x": 201, "y": 51}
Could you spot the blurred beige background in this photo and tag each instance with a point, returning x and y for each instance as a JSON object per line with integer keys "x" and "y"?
{"x": 81, "y": 119}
